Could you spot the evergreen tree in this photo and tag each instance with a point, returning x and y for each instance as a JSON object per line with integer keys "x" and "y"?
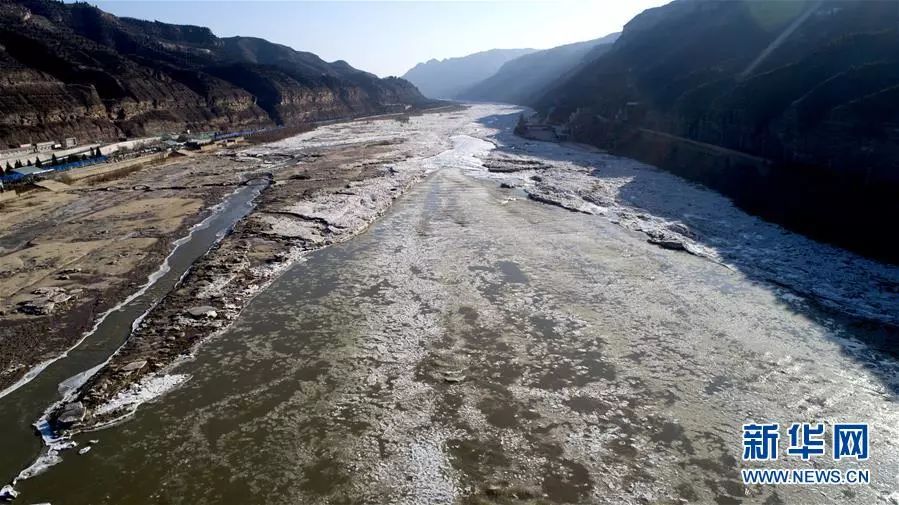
{"x": 28, "y": 162}
{"x": 8, "y": 166}
{"x": 39, "y": 163}
{"x": 53, "y": 160}
{"x": 18, "y": 163}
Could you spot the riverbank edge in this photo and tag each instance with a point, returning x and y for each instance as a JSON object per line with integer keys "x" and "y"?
{"x": 74, "y": 322}
{"x": 208, "y": 300}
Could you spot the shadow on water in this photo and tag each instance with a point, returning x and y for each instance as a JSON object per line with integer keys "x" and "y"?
{"x": 760, "y": 257}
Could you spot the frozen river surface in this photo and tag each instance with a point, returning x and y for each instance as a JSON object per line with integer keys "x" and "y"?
{"x": 475, "y": 346}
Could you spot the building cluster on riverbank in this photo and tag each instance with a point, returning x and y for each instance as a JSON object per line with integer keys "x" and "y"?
{"x": 31, "y": 163}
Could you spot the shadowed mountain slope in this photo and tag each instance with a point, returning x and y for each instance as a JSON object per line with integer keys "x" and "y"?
{"x": 523, "y": 79}
{"x": 789, "y": 108}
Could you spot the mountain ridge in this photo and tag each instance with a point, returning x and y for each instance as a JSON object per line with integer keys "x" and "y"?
{"x": 448, "y": 77}
{"x": 809, "y": 88}
{"x": 100, "y": 76}
{"x": 521, "y": 79}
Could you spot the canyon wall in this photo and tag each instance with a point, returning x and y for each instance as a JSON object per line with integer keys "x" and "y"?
{"x": 811, "y": 87}
{"x": 74, "y": 70}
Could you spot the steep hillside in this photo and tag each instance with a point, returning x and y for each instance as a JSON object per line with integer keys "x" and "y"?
{"x": 708, "y": 71}
{"x": 523, "y": 79}
{"x": 809, "y": 87}
{"x": 72, "y": 69}
{"x": 447, "y": 78}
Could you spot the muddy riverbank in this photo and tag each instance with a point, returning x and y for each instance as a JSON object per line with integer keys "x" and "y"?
{"x": 68, "y": 256}
{"x": 327, "y": 198}
{"x": 319, "y": 189}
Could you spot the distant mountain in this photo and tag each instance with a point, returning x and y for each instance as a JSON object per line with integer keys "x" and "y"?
{"x": 523, "y": 79}
{"x": 72, "y": 69}
{"x": 811, "y": 88}
{"x": 447, "y": 78}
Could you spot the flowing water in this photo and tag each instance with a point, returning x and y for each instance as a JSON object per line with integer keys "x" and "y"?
{"x": 23, "y": 405}
{"x": 474, "y": 346}
{"x": 471, "y": 344}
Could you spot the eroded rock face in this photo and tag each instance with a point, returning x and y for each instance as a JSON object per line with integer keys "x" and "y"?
{"x": 99, "y": 77}
{"x": 45, "y": 300}
{"x": 795, "y": 122}
{"x": 73, "y": 413}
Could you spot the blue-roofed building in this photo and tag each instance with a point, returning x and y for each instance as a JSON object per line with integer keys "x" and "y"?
{"x": 26, "y": 171}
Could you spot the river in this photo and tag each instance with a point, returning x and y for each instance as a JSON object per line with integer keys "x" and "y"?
{"x": 23, "y": 403}
{"x": 474, "y": 345}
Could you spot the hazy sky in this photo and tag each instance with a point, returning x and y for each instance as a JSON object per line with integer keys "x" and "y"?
{"x": 388, "y": 38}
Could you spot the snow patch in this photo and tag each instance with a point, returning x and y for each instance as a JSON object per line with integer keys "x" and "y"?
{"x": 127, "y": 401}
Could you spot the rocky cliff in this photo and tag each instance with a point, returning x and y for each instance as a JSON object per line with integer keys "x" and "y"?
{"x": 808, "y": 86}
{"x": 72, "y": 69}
